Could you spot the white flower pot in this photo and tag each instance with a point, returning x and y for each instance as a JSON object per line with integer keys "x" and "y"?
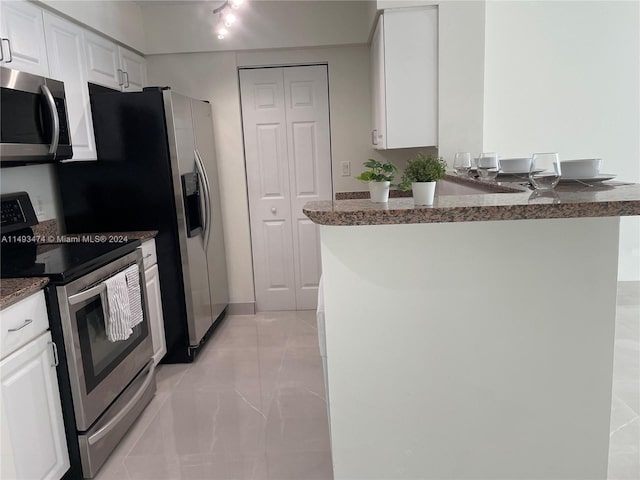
{"x": 423, "y": 192}
{"x": 379, "y": 191}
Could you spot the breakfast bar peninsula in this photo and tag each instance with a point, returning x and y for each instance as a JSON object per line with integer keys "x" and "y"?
{"x": 472, "y": 339}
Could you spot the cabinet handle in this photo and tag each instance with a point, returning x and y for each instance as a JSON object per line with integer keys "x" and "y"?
{"x": 274, "y": 210}
{"x": 10, "y": 52}
{"x": 148, "y": 255}
{"x": 120, "y": 82}
{"x": 126, "y": 77}
{"x": 55, "y": 354}
{"x": 28, "y": 321}
{"x": 374, "y": 136}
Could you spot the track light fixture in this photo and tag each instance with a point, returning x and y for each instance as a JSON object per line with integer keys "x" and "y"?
{"x": 226, "y": 16}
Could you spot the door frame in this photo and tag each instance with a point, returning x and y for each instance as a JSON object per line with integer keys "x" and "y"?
{"x": 244, "y": 152}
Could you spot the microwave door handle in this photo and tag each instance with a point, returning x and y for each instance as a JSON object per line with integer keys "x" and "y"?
{"x": 86, "y": 294}
{"x": 207, "y": 199}
{"x": 55, "y": 136}
{"x": 8, "y": 48}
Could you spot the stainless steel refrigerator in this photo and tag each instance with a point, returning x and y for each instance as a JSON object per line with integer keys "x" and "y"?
{"x": 156, "y": 170}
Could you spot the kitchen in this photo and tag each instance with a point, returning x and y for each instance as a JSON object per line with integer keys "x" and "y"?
{"x": 481, "y": 75}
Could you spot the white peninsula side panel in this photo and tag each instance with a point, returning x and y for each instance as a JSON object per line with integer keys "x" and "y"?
{"x": 472, "y": 349}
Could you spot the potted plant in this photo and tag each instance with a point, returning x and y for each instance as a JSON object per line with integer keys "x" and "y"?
{"x": 379, "y": 176}
{"x": 421, "y": 174}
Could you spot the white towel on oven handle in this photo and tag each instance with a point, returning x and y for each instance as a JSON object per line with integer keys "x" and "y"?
{"x": 135, "y": 295}
{"x": 124, "y": 304}
{"x": 118, "y": 313}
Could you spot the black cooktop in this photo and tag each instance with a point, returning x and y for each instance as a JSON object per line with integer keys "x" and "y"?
{"x": 61, "y": 262}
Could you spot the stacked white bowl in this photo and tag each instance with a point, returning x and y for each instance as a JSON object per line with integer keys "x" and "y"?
{"x": 515, "y": 165}
{"x": 583, "y": 168}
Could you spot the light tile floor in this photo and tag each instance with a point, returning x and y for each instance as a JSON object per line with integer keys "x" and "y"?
{"x": 252, "y": 406}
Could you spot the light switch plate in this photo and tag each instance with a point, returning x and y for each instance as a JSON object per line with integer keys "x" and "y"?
{"x": 346, "y": 169}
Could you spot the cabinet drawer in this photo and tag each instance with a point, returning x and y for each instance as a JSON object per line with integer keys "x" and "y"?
{"x": 149, "y": 256}
{"x": 22, "y": 322}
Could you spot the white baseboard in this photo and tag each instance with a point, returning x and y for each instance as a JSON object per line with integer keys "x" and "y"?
{"x": 248, "y": 308}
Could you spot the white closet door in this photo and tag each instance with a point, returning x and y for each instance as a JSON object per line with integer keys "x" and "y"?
{"x": 309, "y": 152}
{"x": 264, "y": 123}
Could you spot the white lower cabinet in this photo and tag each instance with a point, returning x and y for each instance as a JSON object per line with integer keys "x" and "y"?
{"x": 154, "y": 300}
{"x": 32, "y": 442}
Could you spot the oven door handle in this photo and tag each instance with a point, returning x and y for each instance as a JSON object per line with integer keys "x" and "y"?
{"x": 111, "y": 424}
{"x": 55, "y": 135}
{"x": 86, "y": 294}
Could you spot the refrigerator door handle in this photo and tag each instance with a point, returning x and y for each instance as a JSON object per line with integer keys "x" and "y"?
{"x": 207, "y": 199}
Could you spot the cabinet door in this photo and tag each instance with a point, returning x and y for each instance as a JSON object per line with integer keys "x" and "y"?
{"x": 156, "y": 320}
{"x": 65, "y": 49}
{"x": 411, "y": 76}
{"x": 135, "y": 70}
{"x": 103, "y": 61}
{"x": 25, "y": 49}
{"x": 33, "y": 441}
{"x": 378, "y": 102}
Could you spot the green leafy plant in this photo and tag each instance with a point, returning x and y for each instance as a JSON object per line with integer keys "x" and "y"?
{"x": 379, "y": 172}
{"x": 423, "y": 168}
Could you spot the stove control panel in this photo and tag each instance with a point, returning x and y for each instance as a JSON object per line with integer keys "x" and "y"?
{"x": 17, "y": 212}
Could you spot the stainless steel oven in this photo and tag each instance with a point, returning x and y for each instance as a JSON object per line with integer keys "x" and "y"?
{"x": 111, "y": 382}
{"x": 34, "y": 126}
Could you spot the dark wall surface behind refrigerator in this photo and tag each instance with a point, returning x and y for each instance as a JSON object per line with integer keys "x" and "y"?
{"x": 130, "y": 188}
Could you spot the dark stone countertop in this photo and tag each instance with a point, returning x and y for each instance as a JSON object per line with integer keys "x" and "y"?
{"x": 13, "y": 290}
{"x": 516, "y": 202}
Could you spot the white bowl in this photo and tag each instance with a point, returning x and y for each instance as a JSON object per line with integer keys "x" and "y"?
{"x": 515, "y": 165}
{"x": 582, "y": 168}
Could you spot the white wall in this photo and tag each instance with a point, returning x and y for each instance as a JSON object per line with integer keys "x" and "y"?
{"x": 214, "y": 77}
{"x": 39, "y": 181}
{"x": 120, "y": 20}
{"x": 565, "y": 77}
{"x": 262, "y": 24}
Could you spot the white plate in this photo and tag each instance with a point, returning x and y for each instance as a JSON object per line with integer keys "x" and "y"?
{"x": 603, "y": 177}
{"x": 507, "y": 173}
{"x": 517, "y": 173}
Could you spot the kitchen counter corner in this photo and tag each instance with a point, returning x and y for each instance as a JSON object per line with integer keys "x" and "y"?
{"x": 13, "y": 290}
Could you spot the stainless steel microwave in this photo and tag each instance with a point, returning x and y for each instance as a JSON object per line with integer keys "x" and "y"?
{"x": 34, "y": 126}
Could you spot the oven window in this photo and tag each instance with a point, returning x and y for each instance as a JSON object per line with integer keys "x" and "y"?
{"x": 21, "y": 118}
{"x": 99, "y": 355}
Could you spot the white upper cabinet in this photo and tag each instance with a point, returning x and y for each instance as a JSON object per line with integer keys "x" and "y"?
{"x": 404, "y": 61}
{"x": 378, "y": 131}
{"x": 113, "y": 66}
{"x": 134, "y": 69}
{"x": 22, "y": 34}
{"x": 66, "y": 53}
{"x": 103, "y": 62}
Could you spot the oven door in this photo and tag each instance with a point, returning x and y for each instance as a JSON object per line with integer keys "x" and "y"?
{"x": 33, "y": 119}
{"x": 99, "y": 369}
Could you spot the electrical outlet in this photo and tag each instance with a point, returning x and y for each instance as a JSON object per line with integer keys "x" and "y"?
{"x": 39, "y": 207}
{"x": 346, "y": 169}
